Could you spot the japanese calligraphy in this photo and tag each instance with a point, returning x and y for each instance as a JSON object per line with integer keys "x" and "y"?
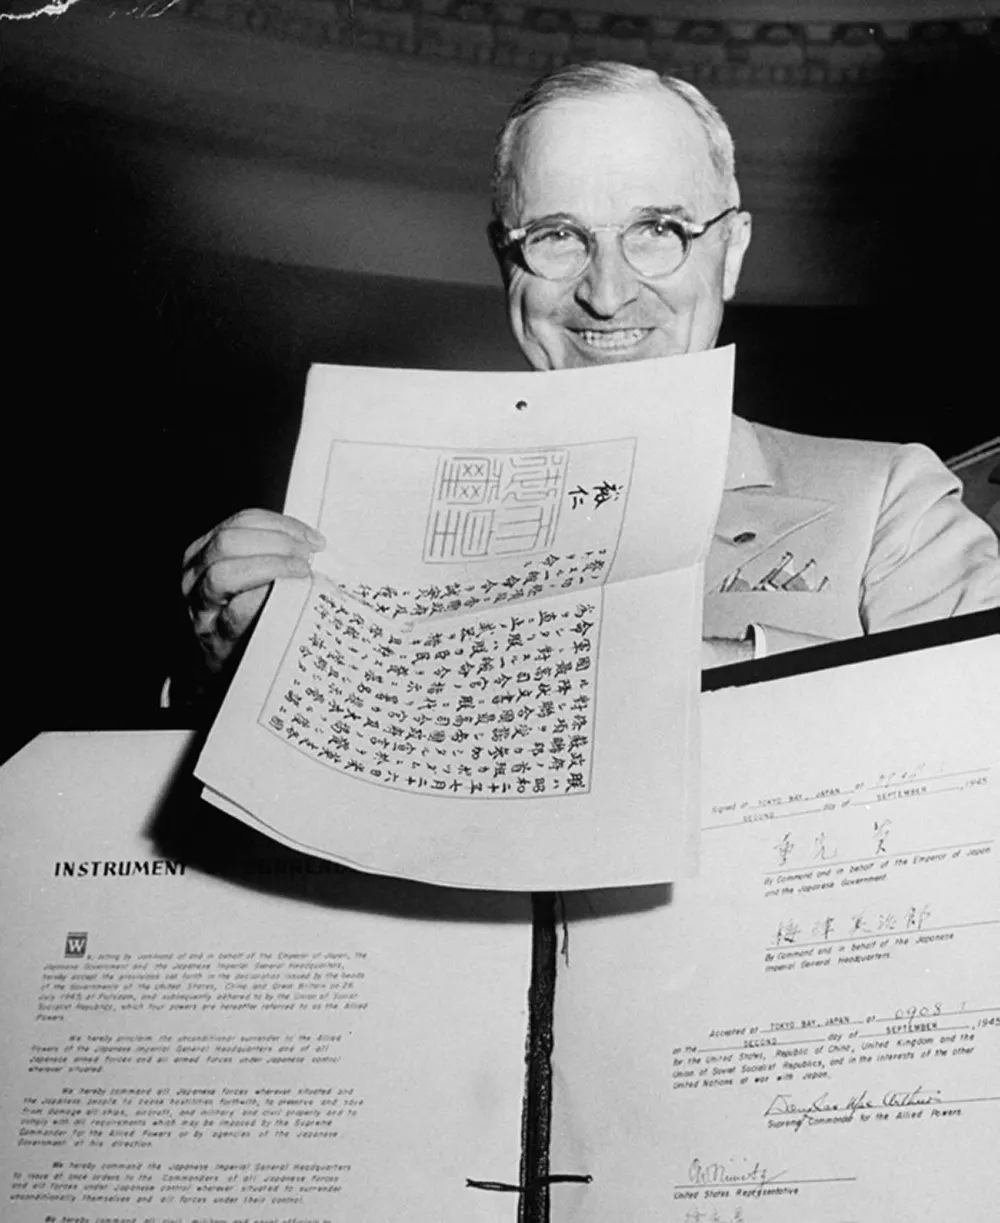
{"x": 859, "y": 924}
{"x": 534, "y": 578}
{"x": 496, "y": 705}
{"x": 597, "y": 496}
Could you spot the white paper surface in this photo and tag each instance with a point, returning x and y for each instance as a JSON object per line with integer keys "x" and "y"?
{"x": 199, "y": 1025}
{"x": 492, "y": 679}
{"x": 810, "y": 1030}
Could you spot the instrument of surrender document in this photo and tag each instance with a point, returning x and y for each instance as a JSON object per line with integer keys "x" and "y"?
{"x": 197, "y": 1024}
{"x": 810, "y": 1031}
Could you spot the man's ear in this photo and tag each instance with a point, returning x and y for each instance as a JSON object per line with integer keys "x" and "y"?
{"x": 495, "y": 231}
{"x": 736, "y": 247}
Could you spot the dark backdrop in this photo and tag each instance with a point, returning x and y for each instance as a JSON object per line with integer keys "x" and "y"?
{"x": 151, "y": 389}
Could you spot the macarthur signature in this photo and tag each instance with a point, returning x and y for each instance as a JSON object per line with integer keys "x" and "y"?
{"x": 812, "y": 1110}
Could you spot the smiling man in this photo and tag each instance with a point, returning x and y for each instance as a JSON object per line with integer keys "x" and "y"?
{"x": 619, "y": 233}
{"x": 617, "y": 219}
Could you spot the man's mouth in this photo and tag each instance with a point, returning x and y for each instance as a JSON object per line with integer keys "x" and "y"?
{"x": 618, "y": 341}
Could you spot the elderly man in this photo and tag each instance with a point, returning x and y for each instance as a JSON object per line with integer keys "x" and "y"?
{"x": 619, "y": 233}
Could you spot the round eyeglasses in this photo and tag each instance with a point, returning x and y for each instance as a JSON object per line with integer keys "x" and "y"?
{"x": 561, "y": 249}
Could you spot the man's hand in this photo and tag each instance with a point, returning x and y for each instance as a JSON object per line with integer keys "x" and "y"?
{"x": 227, "y": 574}
{"x": 720, "y": 651}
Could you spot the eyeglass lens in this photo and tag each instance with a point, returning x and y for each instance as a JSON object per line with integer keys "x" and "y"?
{"x": 653, "y": 247}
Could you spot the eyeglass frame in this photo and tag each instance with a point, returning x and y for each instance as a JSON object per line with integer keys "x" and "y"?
{"x": 689, "y": 231}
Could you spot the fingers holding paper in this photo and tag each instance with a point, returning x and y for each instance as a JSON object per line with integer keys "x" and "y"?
{"x": 228, "y": 571}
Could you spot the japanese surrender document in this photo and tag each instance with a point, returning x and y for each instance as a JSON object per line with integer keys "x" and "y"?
{"x": 198, "y": 1024}
{"x": 492, "y": 678}
{"x": 810, "y": 1031}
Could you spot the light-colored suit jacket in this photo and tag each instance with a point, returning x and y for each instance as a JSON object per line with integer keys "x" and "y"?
{"x": 819, "y": 539}
{"x": 979, "y": 471}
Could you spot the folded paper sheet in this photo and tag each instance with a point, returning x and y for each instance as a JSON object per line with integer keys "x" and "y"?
{"x": 492, "y": 678}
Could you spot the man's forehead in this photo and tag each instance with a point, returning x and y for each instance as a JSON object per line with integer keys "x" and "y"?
{"x": 644, "y": 148}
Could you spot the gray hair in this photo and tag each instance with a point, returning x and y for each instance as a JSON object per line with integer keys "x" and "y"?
{"x": 607, "y": 77}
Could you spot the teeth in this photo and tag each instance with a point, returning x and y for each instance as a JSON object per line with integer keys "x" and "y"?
{"x": 613, "y": 341}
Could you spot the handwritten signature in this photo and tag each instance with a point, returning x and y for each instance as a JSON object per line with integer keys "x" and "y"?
{"x": 720, "y": 1173}
{"x": 784, "y": 1105}
{"x": 697, "y": 1215}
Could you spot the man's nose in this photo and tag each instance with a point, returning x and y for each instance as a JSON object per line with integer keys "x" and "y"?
{"x": 608, "y": 283}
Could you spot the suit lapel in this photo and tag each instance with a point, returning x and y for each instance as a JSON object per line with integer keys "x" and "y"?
{"x": 754, "y": 516}
{"x": 753, "y": 520}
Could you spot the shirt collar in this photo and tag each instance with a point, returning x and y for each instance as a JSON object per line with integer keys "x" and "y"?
{"x": 747, "y": 465}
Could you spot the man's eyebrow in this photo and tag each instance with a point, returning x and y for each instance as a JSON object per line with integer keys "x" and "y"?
{"x": 644, "y": 210}
{"x": 551, "y": 218}
{"x": 670, "y": 210}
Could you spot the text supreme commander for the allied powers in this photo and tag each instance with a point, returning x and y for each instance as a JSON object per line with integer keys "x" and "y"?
{"x": 619, "y": 233}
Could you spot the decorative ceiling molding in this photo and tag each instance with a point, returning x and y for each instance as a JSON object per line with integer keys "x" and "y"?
{"x": 722, "y": 52}
{"x": 282, "y": 130}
